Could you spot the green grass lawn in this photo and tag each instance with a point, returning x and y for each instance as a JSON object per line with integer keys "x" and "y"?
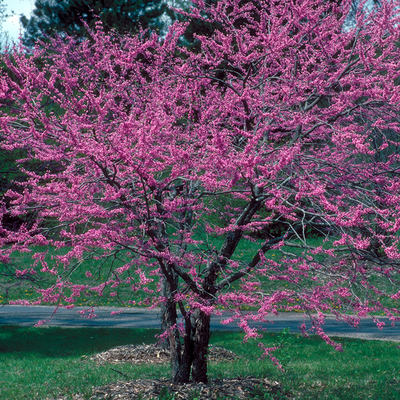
{"x": 40, "y": 363}
{"x": 13, "y": 289}
{"x": 102, "y": 271}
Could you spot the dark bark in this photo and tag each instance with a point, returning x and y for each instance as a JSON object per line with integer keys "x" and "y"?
{"x": 192, "y": 356}
{"x": 187, "y": 358}
{"x": 180, "y": 357}
{"x": 165, "y": 322}
{"x": 170, "y": 318}
{"x": 200, "y": 340}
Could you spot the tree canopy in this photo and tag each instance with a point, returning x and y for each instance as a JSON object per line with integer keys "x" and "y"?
{"x": 174, "y": 162}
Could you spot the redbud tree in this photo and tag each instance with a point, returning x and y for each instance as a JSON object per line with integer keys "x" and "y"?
{"x": 280, "y": 137}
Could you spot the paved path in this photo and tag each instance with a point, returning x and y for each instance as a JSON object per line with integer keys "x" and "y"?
{"x": 143, "y": 318}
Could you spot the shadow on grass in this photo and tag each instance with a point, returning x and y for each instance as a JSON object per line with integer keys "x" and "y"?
{"x": 59, "y": 342}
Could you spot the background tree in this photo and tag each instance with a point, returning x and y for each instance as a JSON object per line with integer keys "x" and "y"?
{"x": 150, "y": 139}
{"x": 68, "y": 16}
{"x": 50, "y": 17}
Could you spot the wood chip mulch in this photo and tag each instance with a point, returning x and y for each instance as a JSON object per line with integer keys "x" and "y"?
{"x": 238, "y": 388}
{"x": 146, "y": 389}
{"x": 152, "y": 354}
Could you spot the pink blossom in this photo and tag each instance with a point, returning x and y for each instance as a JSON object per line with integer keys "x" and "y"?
{"x": 116, "y": 312}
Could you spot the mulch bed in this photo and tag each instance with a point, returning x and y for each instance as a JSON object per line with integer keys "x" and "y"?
{"x": 239, "y": 388}
{"x": 146, "y": 389}
{"x": 152, "y": 354}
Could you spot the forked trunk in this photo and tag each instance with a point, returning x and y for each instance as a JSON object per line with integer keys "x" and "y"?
{"x": 192, "y": 356}
{"x": 179, "y": 369}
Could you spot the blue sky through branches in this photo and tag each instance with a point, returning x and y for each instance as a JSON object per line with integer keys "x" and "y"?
{"x": 15, "y": 8}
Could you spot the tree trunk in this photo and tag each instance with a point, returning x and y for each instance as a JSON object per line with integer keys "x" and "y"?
{"x": 180, "y": 357}
{"x": 193, "y": 355}
{"x": 180, "y": 369}
{"x": 164, "y": 316}
{"x": 200, "y": 340}
{"x": 180, "y": 360}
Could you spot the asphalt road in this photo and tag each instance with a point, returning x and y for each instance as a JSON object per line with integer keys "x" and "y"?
{"x": 144, "y": 318}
